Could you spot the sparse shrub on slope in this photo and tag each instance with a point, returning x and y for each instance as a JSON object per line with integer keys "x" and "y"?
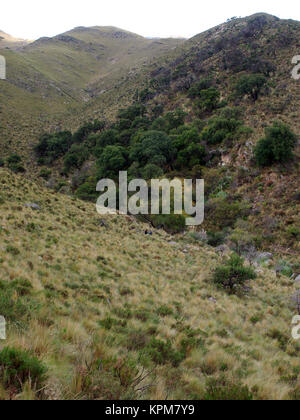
{"x": 222, "y": 389}
{"x": 14, "y": 163}
{"x": 277, "y": 145}
{"x": 17, "y": 367}
{"x": 233, "y": 275}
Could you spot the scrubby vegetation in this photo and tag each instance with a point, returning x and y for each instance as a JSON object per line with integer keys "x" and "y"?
{"x": 124, "y": 307}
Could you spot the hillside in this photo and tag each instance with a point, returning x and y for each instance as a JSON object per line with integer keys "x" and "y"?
{"x": 8, "y": 41}
{"x": 50, "y": 80}
{"x": 99, "y": 303}
{"x": 108, "y": 307}
{"x": 212, "y": 100}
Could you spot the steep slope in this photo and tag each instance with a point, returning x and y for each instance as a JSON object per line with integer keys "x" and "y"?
{"x": 97, "y": 301}
{"x": 213, "y": 135}
{"x": 49, "y": 80}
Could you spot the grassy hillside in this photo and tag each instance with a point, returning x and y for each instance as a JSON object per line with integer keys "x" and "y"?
{"x": 50, "y": 80}
{"x": 98, "y": 303}
{"x": 98, "y": 309}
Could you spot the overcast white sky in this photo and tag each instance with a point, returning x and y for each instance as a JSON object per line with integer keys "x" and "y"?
{"x": 32, "y": 19}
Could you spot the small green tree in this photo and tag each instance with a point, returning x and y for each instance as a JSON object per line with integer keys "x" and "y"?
{"x": 208, "y": 99}
{"x": 14, "y": 163}
{"x": 112, "y": 160}
{"x": 198, "y": 87}
{"x": 233, "y": 275}
{"x": 250, "y": 85}
{"x": 277, "y": 145}
{"x": 152, "y": 147}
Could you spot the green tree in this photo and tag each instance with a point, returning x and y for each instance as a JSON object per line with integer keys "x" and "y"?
{"x": 152, "y": 147}
{"x": 195, "y": 91}
{"x": 113, "y": 159}
{"x": 250, "y": 85}
{"x": 194, "y": 154}
{"x": 220, "y": 129}
{"x": 277, "y": 145}
{"x": 233, "y": 274}
{"x": 208, "y": 99}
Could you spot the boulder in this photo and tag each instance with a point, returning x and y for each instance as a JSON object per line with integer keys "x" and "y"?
{"x": 32, "y": 206}
{"x": 264, "y": 256}
{"x": 297, "y": 279}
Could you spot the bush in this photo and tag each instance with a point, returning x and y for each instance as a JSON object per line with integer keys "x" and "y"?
{"x": 112, "y": 160}
{"x": 250, "y": 85}
{"x": 208, "y": 99}
{"x": 87, "y": 191}
{"x": 153, "y": 147}
{"x": 194, "y": 154}
{"x": 152, "y": 171}
{"x": 197, "y": 88}
{"x": 233, "y": 275}
{"x": 45, "y": 174}
{"x": 220, "y": 129}
{"x": 53, "y": 146}
{"x": 14, "y": 163}
{"x": 172, "y": 223}
{"x": 18, "y": 366}
{"x": 222, "y": 389}
{"x": 75, "y": 158}
{"x": 162, "y": 352}
{"x": 132, "y": 112}
{"x": 15, "y": 303}
{"x": 277, "y": 145}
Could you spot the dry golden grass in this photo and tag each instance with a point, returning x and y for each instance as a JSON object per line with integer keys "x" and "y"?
{"x": 82, "y": 273}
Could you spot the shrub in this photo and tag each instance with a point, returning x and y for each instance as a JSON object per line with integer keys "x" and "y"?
{"x": 87, "y": 191}
{"x": 152, "y": 147}
{"x": 162, "y": 352}
{"x": 215, "y": 238}
{"x": 1, "y": 162}
{"x": 208, "y": 99}
{"x": 14, "y": 163}
{"x": 75, "y": 158}
{"x": 152, "y": 171}
{"x": 53, "y": 146}
{"x": 18, "y": 366}
{"x": 197, "y": 88}
{"x": 45, "y": 173}
{"x": 220, "y": 129}
{"x": 250, "y": 85}
{"x": 233, "y": 275}
{"x": 194, "y": 154}
{"x": 84, "y": 131}
{"x": 132, "y": 112}
{"x": 15, "y": 304}
{"x": 112, "y": 160}
{"x": 277, "y": 145}
{"x": 172, "y": 223}
{"x": 222, "y": 389}
{"x": 223, "y": 212}
{"x": 164, "y": 311}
